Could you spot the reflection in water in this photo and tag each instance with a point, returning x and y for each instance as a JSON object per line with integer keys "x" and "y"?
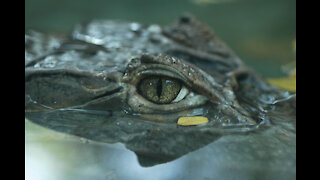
{"x": 39, "y": 164}
{"x": 69, "y": 157}
{"x": 231, "y": 157}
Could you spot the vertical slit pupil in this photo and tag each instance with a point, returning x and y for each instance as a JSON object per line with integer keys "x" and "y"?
{"x": 159, "y": 87}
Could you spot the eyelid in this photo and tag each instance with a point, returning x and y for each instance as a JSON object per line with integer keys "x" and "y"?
{"x": 182, "y": 94}
{"x": 155, "y": 70}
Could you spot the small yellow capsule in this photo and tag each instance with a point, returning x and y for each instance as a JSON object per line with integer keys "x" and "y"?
{"x": 192, "y": 120}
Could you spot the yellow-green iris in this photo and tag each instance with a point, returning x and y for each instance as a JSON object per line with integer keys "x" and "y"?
{"x": 160, "y": 90}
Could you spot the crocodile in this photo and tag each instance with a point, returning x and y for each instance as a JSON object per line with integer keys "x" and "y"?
{"x": 113, "y": 81}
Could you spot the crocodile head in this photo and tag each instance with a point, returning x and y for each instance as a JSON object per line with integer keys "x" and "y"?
{"x": 123, "y": 82}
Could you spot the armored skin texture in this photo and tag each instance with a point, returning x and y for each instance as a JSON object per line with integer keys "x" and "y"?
{"x": 112, "y": 81}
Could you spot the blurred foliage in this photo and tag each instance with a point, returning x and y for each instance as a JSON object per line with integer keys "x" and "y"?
{"x": 289, "y": 82}
{"x": 285, "y": 83}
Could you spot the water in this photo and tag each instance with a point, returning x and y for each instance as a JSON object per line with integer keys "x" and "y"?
{"x": 51, "y": 155}
{"x": 260, "y": 32}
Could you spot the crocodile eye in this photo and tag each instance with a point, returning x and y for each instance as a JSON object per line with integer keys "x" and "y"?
{"x": 161, "y": 89}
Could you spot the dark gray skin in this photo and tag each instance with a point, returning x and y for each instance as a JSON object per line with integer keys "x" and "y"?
{"x": 86, "y": 84}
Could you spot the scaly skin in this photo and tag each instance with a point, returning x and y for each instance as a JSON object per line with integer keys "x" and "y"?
{"x": 86, "y": 85}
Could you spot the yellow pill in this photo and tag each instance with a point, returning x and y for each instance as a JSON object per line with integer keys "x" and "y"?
{"x": 192, "y": 120}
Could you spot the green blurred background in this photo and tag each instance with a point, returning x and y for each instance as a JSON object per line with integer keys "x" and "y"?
{"x": 261, "y": 32}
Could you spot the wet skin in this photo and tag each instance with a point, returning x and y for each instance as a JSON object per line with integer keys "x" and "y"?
{"x": 125, "y": 82}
